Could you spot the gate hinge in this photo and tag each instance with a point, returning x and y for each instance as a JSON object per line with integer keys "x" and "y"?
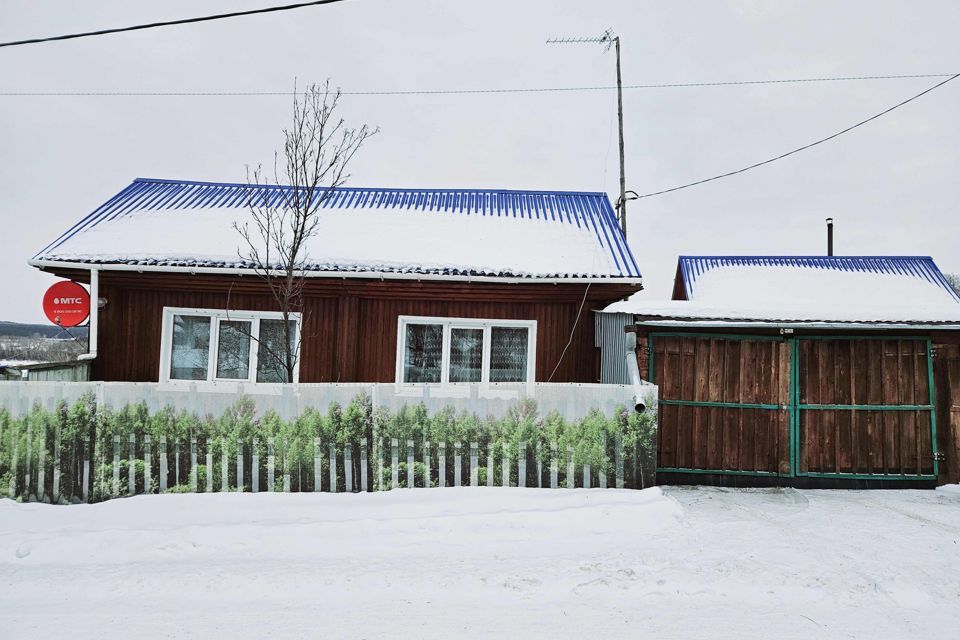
{"x": 939, "y": 456}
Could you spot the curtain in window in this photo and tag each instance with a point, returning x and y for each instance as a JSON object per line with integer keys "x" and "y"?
{"x": 271, "y": 356}
{"x": 233, "y": 350}
{"x": 466, "y": 355}
{"x": 190, "y": 353}
{"x": 508, "y": 354}
{"x": 423, "y": 353}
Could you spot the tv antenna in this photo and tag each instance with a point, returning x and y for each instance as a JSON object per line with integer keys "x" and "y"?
{"x": 609, "y": 39}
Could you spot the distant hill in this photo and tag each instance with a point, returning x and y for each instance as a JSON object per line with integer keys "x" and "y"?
{"x": 21, "y": 330}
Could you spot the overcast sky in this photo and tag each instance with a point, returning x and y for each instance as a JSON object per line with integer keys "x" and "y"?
{"x": 892, "y": 186}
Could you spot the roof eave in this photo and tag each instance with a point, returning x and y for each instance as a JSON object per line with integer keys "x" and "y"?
{"x": 719, "y": 323}
{"x": 370, "y": 275}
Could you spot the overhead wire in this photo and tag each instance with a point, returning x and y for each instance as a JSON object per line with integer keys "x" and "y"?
{"x": 167, "y": 23}
{"x": 799, "y": 149}
{"x": 427, "y": 92}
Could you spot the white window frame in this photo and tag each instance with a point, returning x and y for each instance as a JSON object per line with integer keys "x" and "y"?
{"x": 216, "y": 317}
{"x": 465, "y": 323}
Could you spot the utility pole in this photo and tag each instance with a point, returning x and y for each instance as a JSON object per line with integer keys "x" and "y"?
{"x": 610, "y": 39}
{"x": 623, "y": 179}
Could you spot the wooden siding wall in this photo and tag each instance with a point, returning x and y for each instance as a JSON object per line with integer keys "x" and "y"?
{"x": 865, "y": 372}
{"x": 350, "y": 326}
{"x": 731, "y": 371}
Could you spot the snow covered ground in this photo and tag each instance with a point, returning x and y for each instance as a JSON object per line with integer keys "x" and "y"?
{"x": 676, "y": 563}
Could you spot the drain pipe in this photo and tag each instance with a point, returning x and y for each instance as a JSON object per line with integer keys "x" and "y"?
{"x": 639, "y": 403}
{"x": 94, "y": 316}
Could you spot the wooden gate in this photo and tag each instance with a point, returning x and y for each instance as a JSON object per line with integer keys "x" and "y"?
{"x": 865, "y": 408}
{"x": 828, "y": 407}
{"x": 724, "y": 403}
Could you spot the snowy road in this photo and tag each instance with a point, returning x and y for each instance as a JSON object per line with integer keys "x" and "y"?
{"x": 682, "y": 563}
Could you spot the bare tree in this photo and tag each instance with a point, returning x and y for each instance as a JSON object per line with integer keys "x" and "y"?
{"x": 953, "y": 279}
{"x": 284, "y": 213}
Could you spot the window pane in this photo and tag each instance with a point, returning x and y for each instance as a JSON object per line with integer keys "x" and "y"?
{"x": 271, "y": 356}
{"x": 233, "y": 350}
{"x": 423, "y": 353}
{"x": 190, "y": 352}
{"x": 466, "y": 355}
{"x": 508, "y": 354}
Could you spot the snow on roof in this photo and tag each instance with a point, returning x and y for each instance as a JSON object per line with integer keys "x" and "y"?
{"x": 451, "y": 233}
{"x": 868, "y": 290}
{"x": 801, "y": 280}
{"x": 675, "y": 312}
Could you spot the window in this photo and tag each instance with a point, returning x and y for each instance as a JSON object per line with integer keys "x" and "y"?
{"x": 212, "y": 345}
{"x": 458, "y": 350}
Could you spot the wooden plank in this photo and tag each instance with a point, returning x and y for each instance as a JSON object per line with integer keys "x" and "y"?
{"x": 716, "y": 388}
{"x": 922, "y": 377}
{"x": 809, "y": 382}
{"x": 806, "y": 371}
{"x": 924, "y": 443}
{"x": 701, "y": 392}
{"x": 889, "y": 426}
{"x": 672, "y": 370}
{"x": 667, "y": 437}
{"x": 764, "y": 446}
{"x": 745, "y": 352}
{"x": 859, "y": 441}
{"x": 908, "y": 422}
{"x": 731, "y": 377}
{"x": 783, "y": 443}
{"x": 747, "y": 417}
{"x": 672, "y": 380}
{"x": 909, "y": 458}
{"x": 730, "y": 431}
{"x": 715, "y": 438}
{"x": 827, "y": 459}
{"x": 687, "y": 392}
{"x": 872, "y": 395}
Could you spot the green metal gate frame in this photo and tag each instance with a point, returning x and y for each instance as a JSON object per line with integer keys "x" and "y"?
{"x": 794, "y": 407}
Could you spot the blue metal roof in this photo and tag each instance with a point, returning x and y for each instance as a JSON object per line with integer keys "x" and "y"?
{"x": 589, "y": 211}
{"x": 920, "y": 267}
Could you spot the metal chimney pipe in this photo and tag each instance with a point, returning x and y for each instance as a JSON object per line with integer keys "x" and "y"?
{"x": 829, "y": 236}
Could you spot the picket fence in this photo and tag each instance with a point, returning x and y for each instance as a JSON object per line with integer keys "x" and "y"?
{"x": 138, "y": 465}
{"x": 362, "y": 473}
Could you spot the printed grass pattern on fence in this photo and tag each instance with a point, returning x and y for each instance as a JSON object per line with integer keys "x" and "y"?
{"x": 86, "y": 453}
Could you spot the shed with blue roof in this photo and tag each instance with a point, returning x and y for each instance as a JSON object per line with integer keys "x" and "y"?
{"x": 402, "y": 285}
{"x": 801, "y": 370}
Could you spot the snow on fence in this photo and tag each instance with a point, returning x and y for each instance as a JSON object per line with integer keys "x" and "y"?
{"x": 78, "y": 442}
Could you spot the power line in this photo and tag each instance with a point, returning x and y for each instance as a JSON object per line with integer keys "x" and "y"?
{"x": 168, "y": 23}
{"x": 804, "y": 147}
{"x": 427, "y": 92}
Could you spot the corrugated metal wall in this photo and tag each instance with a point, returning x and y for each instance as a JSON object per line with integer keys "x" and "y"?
{"x": 614, "y": 344}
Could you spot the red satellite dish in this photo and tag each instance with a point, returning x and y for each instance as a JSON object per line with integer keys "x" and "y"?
{"x": 66, "y": 303}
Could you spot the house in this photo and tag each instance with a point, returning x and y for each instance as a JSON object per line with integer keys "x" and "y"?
{"x": 69, "y": 371}
{"x": 403, "y": 285}
{"x": 803, "y": 371}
